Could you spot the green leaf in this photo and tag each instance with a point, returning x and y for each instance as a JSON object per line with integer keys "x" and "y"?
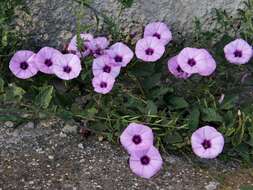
{"x": 44, "y": 97}
{"x": 88, "y": 114}
{"x": 151, "y": 108}
{"x": 9, "y": 118}
{"x": 126, "y": 3}
{"x": 159, "y": 92}
{"x": 210, "y": 115}
{"x": 194, "y": 118}
{"x": 151, "y": 81}
{"x": 64, "y": 114}
{"x": 246, "y": 187}
{"x": 178, "y": 102}
{"x": 229, "y": 102}
{"x": 1, "y": 85}
{"x": 173, "y": 138}
{"x": 238, "y": 135}
{"x": 141, "y": 69}
{"x": 14, "y": 93}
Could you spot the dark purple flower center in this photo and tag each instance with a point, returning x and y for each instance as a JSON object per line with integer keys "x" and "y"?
{"x": 67, "y": 69}
{"x": 206, "y": 144}
{"x": 136, "y": 139}
{"x": 103, "y": 84}
{"x": 107, "y": 69}
{"x": 149, "y": 51}
{"x": 145, "y": 160}
{"x": 48, "y": 62}
{"x": 84, "y": 48}
{"x": 238, "y": 53}
{"x": 179, "y": 69}
{"x": 118, "y": 58}
{"x": 191, "y": 62}
{"x": 73, "y": 52}
{"x": 98, "y": 51}
{"x": 157, "y": 35}
{"x": 24, "y": 65}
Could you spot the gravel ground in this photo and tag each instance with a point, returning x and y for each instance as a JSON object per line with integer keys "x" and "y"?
{"x": 53, "y": 155}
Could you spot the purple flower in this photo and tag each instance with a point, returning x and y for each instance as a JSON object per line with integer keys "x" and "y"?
{"x": 44, "y": 59}
{"x": 208, "y": 65}
{"x": 149, "y": 49}
{"x": 189, "y": 59}
{"x": 136, "y": 137}
{"x": 146, "y": 163}
{"x": 238, "y": 51}
{"x": 105, "y": 64}
{"x": 158, "y": 30}
{"x": 22, "y": 64}
{"x": 121, "y": 54}
{"x": 207, "y": 142}
{"x": 103, "y": 83}
{"x": 98, "y": 46}
{"x": 176, "y": 70}
{"x": 73, "y": 47}
{"x": 66, "y": 66}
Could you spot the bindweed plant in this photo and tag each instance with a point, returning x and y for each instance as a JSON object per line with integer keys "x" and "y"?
{"x": 155, "y": 88}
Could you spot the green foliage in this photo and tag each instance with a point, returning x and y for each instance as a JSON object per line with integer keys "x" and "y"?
{"x": 44, "y": 97}
{"x": 126, "y": 3}
{"x": 145, "y": 92}
{"x": 10, "y": 39}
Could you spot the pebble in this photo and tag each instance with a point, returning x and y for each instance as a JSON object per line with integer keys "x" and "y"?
{"x": 63, "y": 135}
{"x": 51, "y": 157}
{"x": 31, "y": 182}
{"x": 9, "y": 124}
{"x": 70, "y": 128}
{"x": 80, "y": 145}
{"x": 212, "y": 185}
{"x": 29, "y": 125}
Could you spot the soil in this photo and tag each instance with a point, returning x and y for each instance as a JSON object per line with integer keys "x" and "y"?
{"x": 54, "y": 155}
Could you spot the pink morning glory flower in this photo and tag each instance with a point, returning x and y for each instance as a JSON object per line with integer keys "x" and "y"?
{"x": 176, "y": 70}
{"x": 103, "y": 83}
{"x": 136, "y": 137}
{"x": 146, "y": 163}
{"x": 207, "y": 142}
{"x": 189, "y": 59}
{"x": 208, "y": 65}
{"x": 66, "y": 66}
{"x": 121, "y": 54}
{"x": 22, "y": 64}
{"x": 44, "y": 59}
{"x": 105, "y": 64}
{"x": 149, "y": 49}
{"x": 238, "y": 51}
{"x": 158, "y": 30}
{"x": 98, "y": 45}
{"x": 73, "y": 47}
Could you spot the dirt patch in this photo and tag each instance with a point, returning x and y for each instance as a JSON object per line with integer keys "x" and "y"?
{"x": 53, "y": 156}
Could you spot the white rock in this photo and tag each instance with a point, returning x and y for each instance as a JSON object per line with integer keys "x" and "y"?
{"x": 213, "y": 185}
{"x": 70, "y": 128}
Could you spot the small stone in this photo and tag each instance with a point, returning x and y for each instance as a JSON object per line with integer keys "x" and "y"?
{"x": 212, "y": 185}
{"x": 29, "y": 125}
{"x": 100, "y": 138}
{"x": 31, "y": 182}
{"x": 51, "y": 157}
{"x": 80, "y": 145}
{"x": 70, "y": 128}
{"x": 9, "y": 124}
{"x": 63, "y": 135}
{"x": 171, "y": 160}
